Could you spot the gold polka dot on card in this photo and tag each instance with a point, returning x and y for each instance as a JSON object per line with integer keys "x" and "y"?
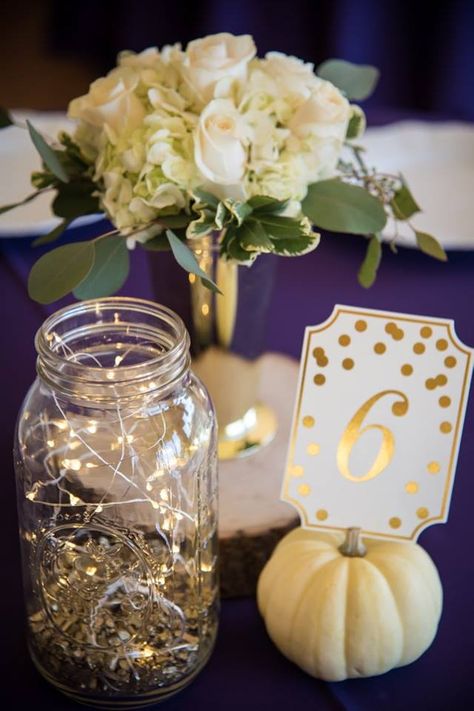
{"x": 444, "y": 401}
{"x": 433, "y": 467}
{"x": 296, "y": 470}
{"x": 344, "y": 340}
{"x": 450, "y": 361}
{"x": 321, "y": 514}
{"x": 406, "y": 369}
{"x": 422, "y": 512}
{"x": 304, "y": 489}
{"x": 445, "y": 427}
{"x": 319, "y": 379}
{"x": 441, "y": 344}
{"x": 313, "y": 448}
{"x": 360, "y": 325}
{"x": 426, "y": 332}
{"x": 419, "y": 348}
{"x": 308, "y": 421}
{"x": 347, "y": 363}
{"x": 395, "y": 522}
{"x": 411, "y": 487}
{"x": 380, "y": 348}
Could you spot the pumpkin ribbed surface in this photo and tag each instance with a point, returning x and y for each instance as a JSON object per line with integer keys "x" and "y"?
{"x": 340, "y": 617}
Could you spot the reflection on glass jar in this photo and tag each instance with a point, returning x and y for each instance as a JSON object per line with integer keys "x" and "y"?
{"x": 116, "y": 472}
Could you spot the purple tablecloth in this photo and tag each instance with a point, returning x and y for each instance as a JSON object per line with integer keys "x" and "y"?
{"x": 246, "y": 671}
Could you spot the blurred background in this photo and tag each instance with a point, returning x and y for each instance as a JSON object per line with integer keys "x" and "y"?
{"x": 50, "y": 50}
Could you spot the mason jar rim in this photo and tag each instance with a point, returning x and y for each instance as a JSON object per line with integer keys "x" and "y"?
{"x": 63, "y": 372}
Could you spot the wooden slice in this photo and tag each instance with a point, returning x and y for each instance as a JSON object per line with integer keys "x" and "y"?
{"x": 252, "y": 519}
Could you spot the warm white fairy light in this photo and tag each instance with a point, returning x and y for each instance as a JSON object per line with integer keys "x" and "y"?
{"x": 74, "y": 464}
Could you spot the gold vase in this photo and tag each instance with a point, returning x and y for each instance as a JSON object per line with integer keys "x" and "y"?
{"x": 228, "y": 337}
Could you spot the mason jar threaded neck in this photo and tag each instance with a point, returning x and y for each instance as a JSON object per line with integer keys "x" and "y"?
{"x": 110, "y": 348}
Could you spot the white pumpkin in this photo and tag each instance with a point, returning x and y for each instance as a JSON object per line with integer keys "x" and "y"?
{"x": 349, "y": 614}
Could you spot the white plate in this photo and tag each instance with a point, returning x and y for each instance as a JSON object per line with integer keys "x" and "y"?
{"x": 18, "y": 159}
{"x": 437, "y": 161}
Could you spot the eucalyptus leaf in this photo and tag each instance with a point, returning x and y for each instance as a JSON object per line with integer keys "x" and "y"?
{"x": 187, "y": 260}
{"x": 53, "y": 235}
{"x": 430, "y": 245}
{"x": 404, "y": 204}
{"x": 110, "y": 270}
{"x": 357, "y": 81}
{"x": 29, "y": 198}
{"x": 58, "y": 272}
{"x": 48, "y": 155}
{"x": 368, "y": 270}
{"x": 75, "y": 199}
{"x": 5, "y": 118}
{"x": 340, "y": 207}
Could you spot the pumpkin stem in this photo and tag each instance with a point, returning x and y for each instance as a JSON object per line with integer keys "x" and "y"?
{"x": 353, "y": 546}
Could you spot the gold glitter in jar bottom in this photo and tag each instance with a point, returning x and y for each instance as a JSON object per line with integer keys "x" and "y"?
{"x": 140, "y": 639}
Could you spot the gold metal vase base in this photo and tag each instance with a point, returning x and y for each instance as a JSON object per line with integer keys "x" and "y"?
{"x": 248, "y": 434}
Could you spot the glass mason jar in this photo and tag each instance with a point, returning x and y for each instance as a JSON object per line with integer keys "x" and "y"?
{"x": 115, "y": 461}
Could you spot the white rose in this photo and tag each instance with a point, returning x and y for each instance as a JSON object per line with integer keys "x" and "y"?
{"x": 292, "y": 75}
{"x": 219, "y": 143}
{"x": 325, "y": 114}
{"x": 221, "y": 56}
{"x": 111, "y": 103}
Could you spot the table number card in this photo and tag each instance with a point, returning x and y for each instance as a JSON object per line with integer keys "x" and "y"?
{"x": 377, "y": 422}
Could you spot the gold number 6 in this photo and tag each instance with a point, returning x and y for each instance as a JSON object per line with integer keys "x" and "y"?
{"x": 353, "y": 431}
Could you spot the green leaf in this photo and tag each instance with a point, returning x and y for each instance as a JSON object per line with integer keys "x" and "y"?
{"x": 75, "y": 199}
{"x": 368, "y": 270}
{"x": 221, "y": 216}
{"x": 47, "y": 154}
{"x": 58, "y": 272}
{"x": 239, "y": 210}
{"x": 340, "y": 207}
{"x": 283, "y": 227}
{"x": 231, "y": 248}
{"x": 187, "y": 260}
{"x": 357, "y": 81}
{"x": 157, "y": 244}
{"x": 296, "y": 247}
{"x": 6, "y": 208}
{"x": 53, "y": 235}
{"x": 356, "y": 125}
{"x": 430, "y": 245}
{"x": 202, "y": 226}
{"x": 174, "y": 221}
{"x": 265, "y": 204}
{"x": 5, "y": 118}
{"x": 404, "y": 204}
{"x": 253, "y": 238}
{"x": 110, "y": 270}
{"x": 206, "y": 198}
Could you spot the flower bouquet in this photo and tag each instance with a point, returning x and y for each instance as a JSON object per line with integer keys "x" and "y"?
{"x": 174, "y": 145}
